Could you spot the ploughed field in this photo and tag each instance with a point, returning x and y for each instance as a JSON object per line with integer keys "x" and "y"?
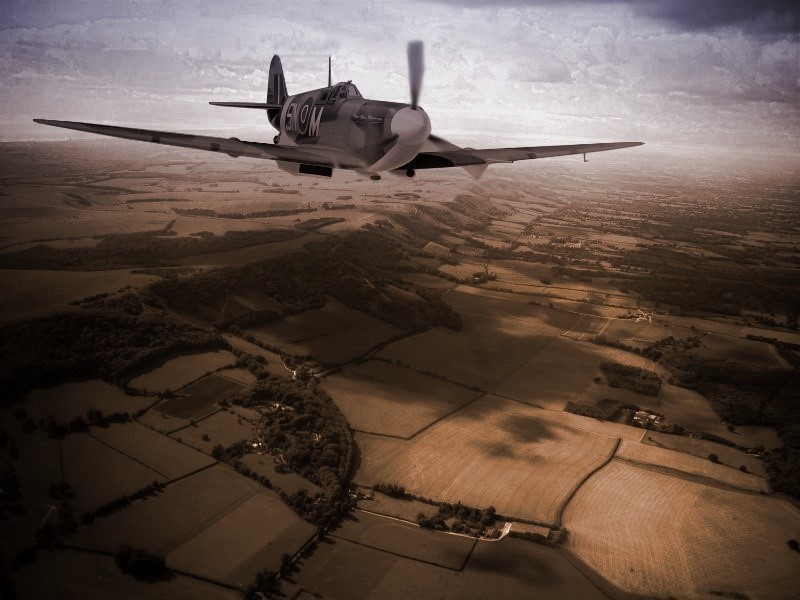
{"x": 495, "y": 452}
{"x": 652, "y": 533}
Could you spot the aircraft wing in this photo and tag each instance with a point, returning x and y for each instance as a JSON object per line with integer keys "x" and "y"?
{"x": 439, "y": 153}
{"x": 231, "y": 146}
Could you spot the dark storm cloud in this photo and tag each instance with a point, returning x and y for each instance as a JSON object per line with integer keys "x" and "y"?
{"x": 753, "y": 15}
{"x": 756, "y": 16}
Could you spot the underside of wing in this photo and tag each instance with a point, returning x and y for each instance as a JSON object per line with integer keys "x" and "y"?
{"x": 231, "y": 146}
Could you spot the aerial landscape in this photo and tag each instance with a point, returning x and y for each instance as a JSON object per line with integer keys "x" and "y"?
{"x": 563, "y": 379}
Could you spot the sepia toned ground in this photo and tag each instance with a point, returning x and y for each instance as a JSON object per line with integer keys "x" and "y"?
{"x": 572, "y": 255}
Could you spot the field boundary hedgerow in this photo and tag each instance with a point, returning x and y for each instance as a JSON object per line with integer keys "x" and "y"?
{"x": 558, "y": 521}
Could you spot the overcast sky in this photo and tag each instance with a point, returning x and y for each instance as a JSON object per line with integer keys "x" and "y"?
{"x": 680, "y": 72}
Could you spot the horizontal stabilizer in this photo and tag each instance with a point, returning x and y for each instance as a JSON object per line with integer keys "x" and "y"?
{"x": 261, "y": 105}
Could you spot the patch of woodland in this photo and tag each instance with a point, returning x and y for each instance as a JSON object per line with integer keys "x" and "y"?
{"x": 352, "y": 269}
{"x": 695, "y": 283}
{"x": 318, "y": 223}
{"x": 477, "y": 208}
{"x": 740, "y": 393}
{"x": 655, "y": 350}
{"x": 394, "y": 490}
{"x": 141, "y": 564}
{"x": 459, "y": 518}
{"x": 111, "y": 338}
{"x": 303, "y": 428}
{"x": 206, "y": 212}
{"x": 607, "y": 409}
{"x": 139, "y": 249}
{"x": 631, "y": 378}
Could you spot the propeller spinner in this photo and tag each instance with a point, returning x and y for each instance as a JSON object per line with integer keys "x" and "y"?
{"x": 410, "y": 126}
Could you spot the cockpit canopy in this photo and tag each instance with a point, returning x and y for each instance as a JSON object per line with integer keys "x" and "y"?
{"x": 339, "y": 92}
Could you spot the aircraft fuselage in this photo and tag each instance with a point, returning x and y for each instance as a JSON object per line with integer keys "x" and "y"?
{"x": 362, "y": 134}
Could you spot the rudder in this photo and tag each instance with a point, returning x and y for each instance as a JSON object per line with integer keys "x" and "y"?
{"x": 276, "y": 88}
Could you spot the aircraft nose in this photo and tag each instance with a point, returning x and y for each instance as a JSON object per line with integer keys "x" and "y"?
{"x": 411, "y": 126}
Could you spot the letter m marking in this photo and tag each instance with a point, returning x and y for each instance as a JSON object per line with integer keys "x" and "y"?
{"x": 313, "y": 124}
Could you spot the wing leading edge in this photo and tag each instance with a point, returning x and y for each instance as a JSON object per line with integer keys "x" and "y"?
{"x": 436, "y": 153}
{"x": 231, "y": 146}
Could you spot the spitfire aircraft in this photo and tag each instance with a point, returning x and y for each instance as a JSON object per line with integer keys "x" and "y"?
{"x": 335, "y": 127}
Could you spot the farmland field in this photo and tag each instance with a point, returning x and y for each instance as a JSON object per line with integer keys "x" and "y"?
{"x": 87, "y": 461}
{"x": 496, "y": 452}
{"x": 449, "y": 551}
{"x": 510, "y": 568}
{"x": 565, "y": 371}
{"x": 199, "y": 398}
{"x": 702, "y": 448}
{"x": 177, "y": 372}
{"x": 247, "y": 523}
{"x": 399, "y": 508}
{"x": 73, "y": 399}
{"x": 253, "y": 535}
{"x": 162, "y": 454}
{"x": 331, "y": 334}
{"x": 379, "y": 397}
{"x": 648, "y": 454}
{"x": 470, "y": 412}
{"x": 652, "y": 533}
{"x": 75, "y": 574}
{"x": 287, "y": 482}
{"x": 501, "y": 333}
{"x": 27, "y": 294}
{"x": 223, "y": 427}
{"x": 162, "y": 422}
{"x": 274, "y": 363}
{"x": 751, "y": 352}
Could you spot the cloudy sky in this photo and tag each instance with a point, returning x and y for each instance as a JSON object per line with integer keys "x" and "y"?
{"x": 676, "y": 73}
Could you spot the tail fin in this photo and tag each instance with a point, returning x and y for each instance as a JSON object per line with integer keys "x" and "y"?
{"x": 276, "y": 89}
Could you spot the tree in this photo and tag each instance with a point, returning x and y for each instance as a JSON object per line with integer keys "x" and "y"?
{"x": 713, "y": 458}
{"x": 139, "y": 563}
{"x": 217, "y": 452}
